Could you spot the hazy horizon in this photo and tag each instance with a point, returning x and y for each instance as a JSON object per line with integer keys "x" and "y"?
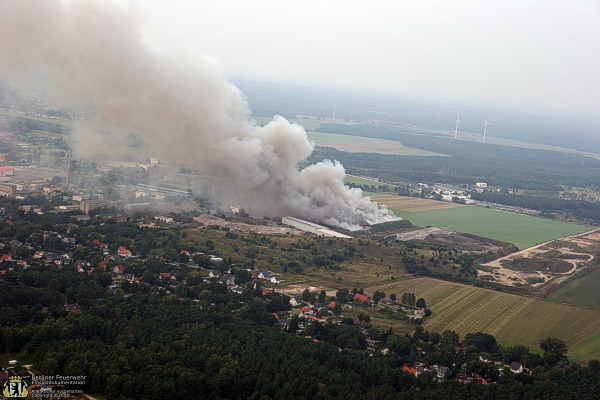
{"x": 535, "y": 57}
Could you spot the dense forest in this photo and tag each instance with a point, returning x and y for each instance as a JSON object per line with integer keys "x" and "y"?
{"x": 469, "y": 162}
{"x": 151, "y": 345}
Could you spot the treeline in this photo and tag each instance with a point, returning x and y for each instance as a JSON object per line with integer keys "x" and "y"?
{"x": 578, "y": 208}
{"x": 470, "y": 162}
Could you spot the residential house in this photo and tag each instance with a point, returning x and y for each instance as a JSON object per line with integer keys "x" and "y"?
{"x": 129, "y": 277}
{"x": 443, "y": 372}
{"x": 307, "y": 310}
{"x": 227, "y": 279}
{"x": 38, "y": 255}
{"x": 65, "y": 259}
{"x": 118, "y": 269}
{"x": 73, "y": 308}
{"x": 295, "y": 301}
{"x": 331, "y": 304}
{"x": 124, "y": 252}
{"x": 410, "y": 370}
{"x": 264, "y": 275}
{"x": 214, "y": 273}
{"x": 361, "y": 298}
{"x": 516, "y": 367}
{"x": 275, "y": 280}
{"x": 164, "y": 275}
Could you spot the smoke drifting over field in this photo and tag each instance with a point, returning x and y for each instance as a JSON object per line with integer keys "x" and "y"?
{"x": 92, "y": 52}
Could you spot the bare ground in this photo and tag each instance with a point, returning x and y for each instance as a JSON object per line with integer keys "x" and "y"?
{"x": 509, "y": 277}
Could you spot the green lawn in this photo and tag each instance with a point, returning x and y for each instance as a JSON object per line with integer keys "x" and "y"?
{"x": 580, "y": 291}
{"x": 521, "y": 230}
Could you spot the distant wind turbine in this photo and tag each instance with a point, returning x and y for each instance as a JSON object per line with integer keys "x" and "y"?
{"x": 456, "y": 130}
{"x": 334, "y": 110}
{"x": 485, "y": 124}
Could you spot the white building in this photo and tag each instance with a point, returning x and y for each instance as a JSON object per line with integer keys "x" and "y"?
{"x": 312, "y": 227}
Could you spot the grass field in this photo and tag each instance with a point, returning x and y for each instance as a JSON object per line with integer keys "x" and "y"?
{"x": 580, "y": 291}
{"x": 521, "y": 230}
{"x": 362, "y": 181}
{"x": 510, "y": 318}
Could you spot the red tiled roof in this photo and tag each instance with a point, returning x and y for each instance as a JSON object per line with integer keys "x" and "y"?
{"x": 360, "y": 297}
{"x": 331, "y": 304}
{"x": 409, "y": 369}
{"x": 276, "y": 316}
{"x": 165, "y": 275}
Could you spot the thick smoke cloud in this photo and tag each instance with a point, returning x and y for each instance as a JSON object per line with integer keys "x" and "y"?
{"x": 92, "y": 52}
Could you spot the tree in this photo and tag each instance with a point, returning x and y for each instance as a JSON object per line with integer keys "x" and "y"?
{"x": 450, "y": 338}
{"x": 378, "y": 295}
{"x": 322, "y": 296}
{"x": 337, "y": 309}
{"x": 342, "y": 294}
{"x": 421, "y": 303}
{"x": 484, "y": 342}
{"x": 555, "y": 350}
{"x": 306, "y": 295}
{"x": 393, "y": 296}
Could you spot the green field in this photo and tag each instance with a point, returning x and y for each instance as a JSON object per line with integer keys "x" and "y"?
{"x": 361, "y": 181}
{"x": 510, "y": 318}
{"x": 521, "y": 230}
{"x": 580, "y": 291}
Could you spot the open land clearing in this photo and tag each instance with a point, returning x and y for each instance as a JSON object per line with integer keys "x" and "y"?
{"x": 267, "y": 229}
{"x": 521, "y": 230}
{"x": 360, "y": 144}
{"x": 412, "y": 204}
{"x": 553, "y": 261}
{"x": 510, "y": 318}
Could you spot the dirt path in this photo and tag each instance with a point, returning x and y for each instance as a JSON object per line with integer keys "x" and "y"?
{"x": 508, "y": 276}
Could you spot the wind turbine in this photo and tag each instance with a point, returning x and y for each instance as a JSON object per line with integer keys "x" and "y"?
{"x": 334, "y": 110}
{"x": 457, "y": 122}
{"x": 485, "y": 124}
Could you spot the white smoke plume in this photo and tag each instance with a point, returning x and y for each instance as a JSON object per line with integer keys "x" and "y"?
{"x": 83, "y": 52}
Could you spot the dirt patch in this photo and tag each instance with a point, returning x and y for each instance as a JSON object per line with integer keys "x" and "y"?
{"x": 296, "y": 289}
{"x": 466, "y": 244}
{"x": 554, "y": 261}
{"x": 271, "y": 228}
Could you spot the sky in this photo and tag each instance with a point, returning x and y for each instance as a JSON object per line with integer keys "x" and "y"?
{"x": 534, "y": 55}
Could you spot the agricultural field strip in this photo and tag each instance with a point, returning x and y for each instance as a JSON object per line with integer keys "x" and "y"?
{"x": 509, "y": 317}
{"x": 413, "y": 204}
{"x": 351, "y": 143}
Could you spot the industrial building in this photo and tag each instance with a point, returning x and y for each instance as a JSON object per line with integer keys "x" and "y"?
{"x": 159, "y": 193}
{"x": 312, "y": 227}
{"x": 88, "y": 205}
